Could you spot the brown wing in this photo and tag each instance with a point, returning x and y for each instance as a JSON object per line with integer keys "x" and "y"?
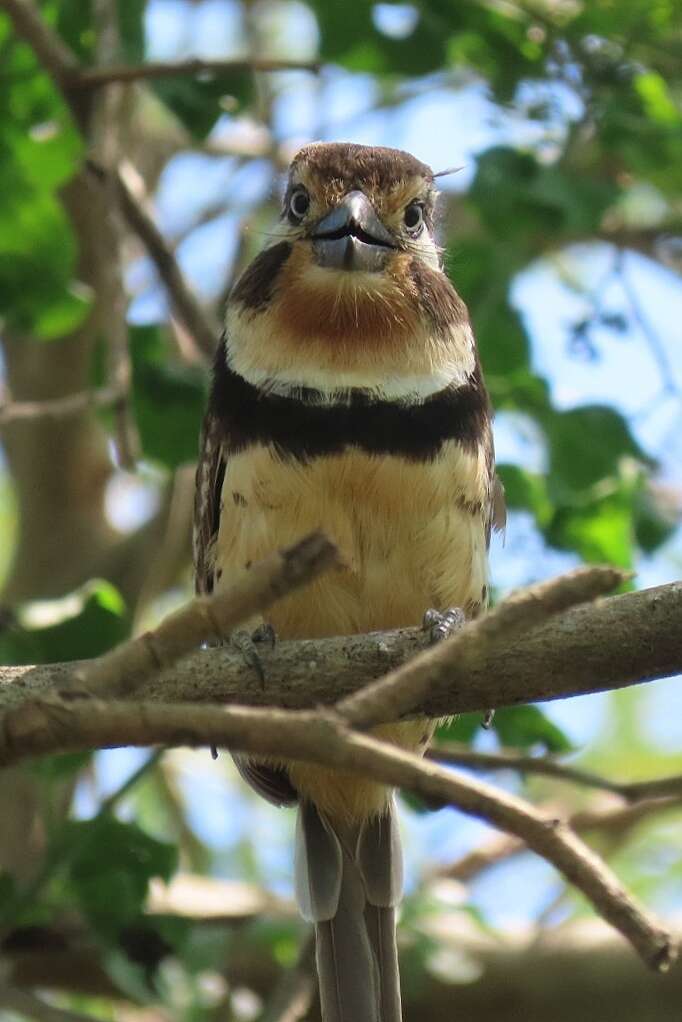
{"x": 499, "y": 506}
{"x": 269, "y": 780}
{"x": 209, "y": 483}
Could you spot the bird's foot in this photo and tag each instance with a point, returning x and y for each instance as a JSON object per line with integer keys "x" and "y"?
{"x": 265, "y": 633}
{"x": 488, "y": 718}
{"x": 442, "y": 624}
{"x": 245, "y": 643}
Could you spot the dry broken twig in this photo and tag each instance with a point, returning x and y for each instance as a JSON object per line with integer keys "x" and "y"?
{"x": 207, "y": 618}
{"x": 396, "y": 694}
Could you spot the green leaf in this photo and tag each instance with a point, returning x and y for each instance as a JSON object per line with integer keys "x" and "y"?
{"x": 64, "y": 315}
{"x": 586, "y": 446}
{"x": 462, "y": 728}
{"x": 601, "y": 530}
{"x": 131, "y": 26}
{"x": 8, "y": 888}
{"x": 58, "y": 768}
{"x": 99, "y": 623}
{"x": 526, "y": 491}
{"x": 656, "y": 99}
{"x": 525, "y": 726}
{"x": 169, "y": 399}
{"x": 196, "y": 100}
{"x": 110, "y": 864}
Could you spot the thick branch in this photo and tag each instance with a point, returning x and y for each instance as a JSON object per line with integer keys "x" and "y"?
{"x": 87, "y": 723}
{"x": 618, "y": 641}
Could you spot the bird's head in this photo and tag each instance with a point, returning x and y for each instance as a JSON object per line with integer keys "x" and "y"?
{"x": 358, "y": 208}
{"x": 352, "y": 293}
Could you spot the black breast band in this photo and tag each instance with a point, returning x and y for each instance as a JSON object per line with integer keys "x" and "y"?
{"x": 303, "y": 429}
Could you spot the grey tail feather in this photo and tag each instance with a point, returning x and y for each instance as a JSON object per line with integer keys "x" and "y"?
{"x": 338, "y": 888}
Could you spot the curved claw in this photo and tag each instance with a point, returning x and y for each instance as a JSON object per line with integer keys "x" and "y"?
{"x": 443, "y": 624}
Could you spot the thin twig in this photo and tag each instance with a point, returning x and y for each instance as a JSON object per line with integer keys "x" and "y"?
{"x": 614, "y": 820}
{"x": 60, "y": 407}
{"x": 96, "y": 77}
{"x": 207, "y": 618}
{"x": 399, "y": 692}
{"x": 322, "y": 738}
{"x": 187, "y": 308}
{"x": 105, "y": 143}
{"x": 633, "y": 791}
{"x": 656, "y": 346}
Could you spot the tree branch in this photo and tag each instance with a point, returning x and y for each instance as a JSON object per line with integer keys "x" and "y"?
{"x": 633, "y": 791}
{"x": 96, "y": 77}
{"x": 616, "y": 820}
{"x": 318, "y": 737}
{"x": 187, "y": 308}
{"x": 615, "y": 642}
{"x": 59, "y": 407}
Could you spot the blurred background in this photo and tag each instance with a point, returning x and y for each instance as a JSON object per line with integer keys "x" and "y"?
{"x": 562, "y": 228}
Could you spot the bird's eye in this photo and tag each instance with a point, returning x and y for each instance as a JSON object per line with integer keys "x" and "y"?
{"x": 414, "y": 217}
{"x": 299, "y": 204}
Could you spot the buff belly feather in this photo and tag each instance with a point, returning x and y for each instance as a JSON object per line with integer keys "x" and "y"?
{"x": 411, "y": 536}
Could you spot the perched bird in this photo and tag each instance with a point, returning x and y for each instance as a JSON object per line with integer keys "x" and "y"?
{"x": 347, "y": 394}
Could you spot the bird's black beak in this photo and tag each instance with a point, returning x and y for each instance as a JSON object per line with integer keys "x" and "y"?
{"x": 352, "y": 237}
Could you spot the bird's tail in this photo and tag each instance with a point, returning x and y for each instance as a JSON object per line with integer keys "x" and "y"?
{"x": 348, "y": 885}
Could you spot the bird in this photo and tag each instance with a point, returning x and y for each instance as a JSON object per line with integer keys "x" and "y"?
{"x": 348, "y": 394}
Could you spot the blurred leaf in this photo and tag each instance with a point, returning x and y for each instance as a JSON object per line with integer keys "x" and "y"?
{"x": 169, "y": 399}
{"x": 601, "y": 530}
{"x": 8, "y": 888}
{"x": 98, "y": 624}
{"x": 59, "y": 768}
{"x": 525, "y": 726}
{"x": 131, "y": 26}
{"x": 195, "y": 100}
{"x": 654, "y": 520}
{"x": 656, "y": 99}
{"x": 526, "y": 491}
{"x": 110, "y": 865}
{"x": 586, "y": 445}
{"x": 74, "y": 24}
{"x": 462, "y": 728}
